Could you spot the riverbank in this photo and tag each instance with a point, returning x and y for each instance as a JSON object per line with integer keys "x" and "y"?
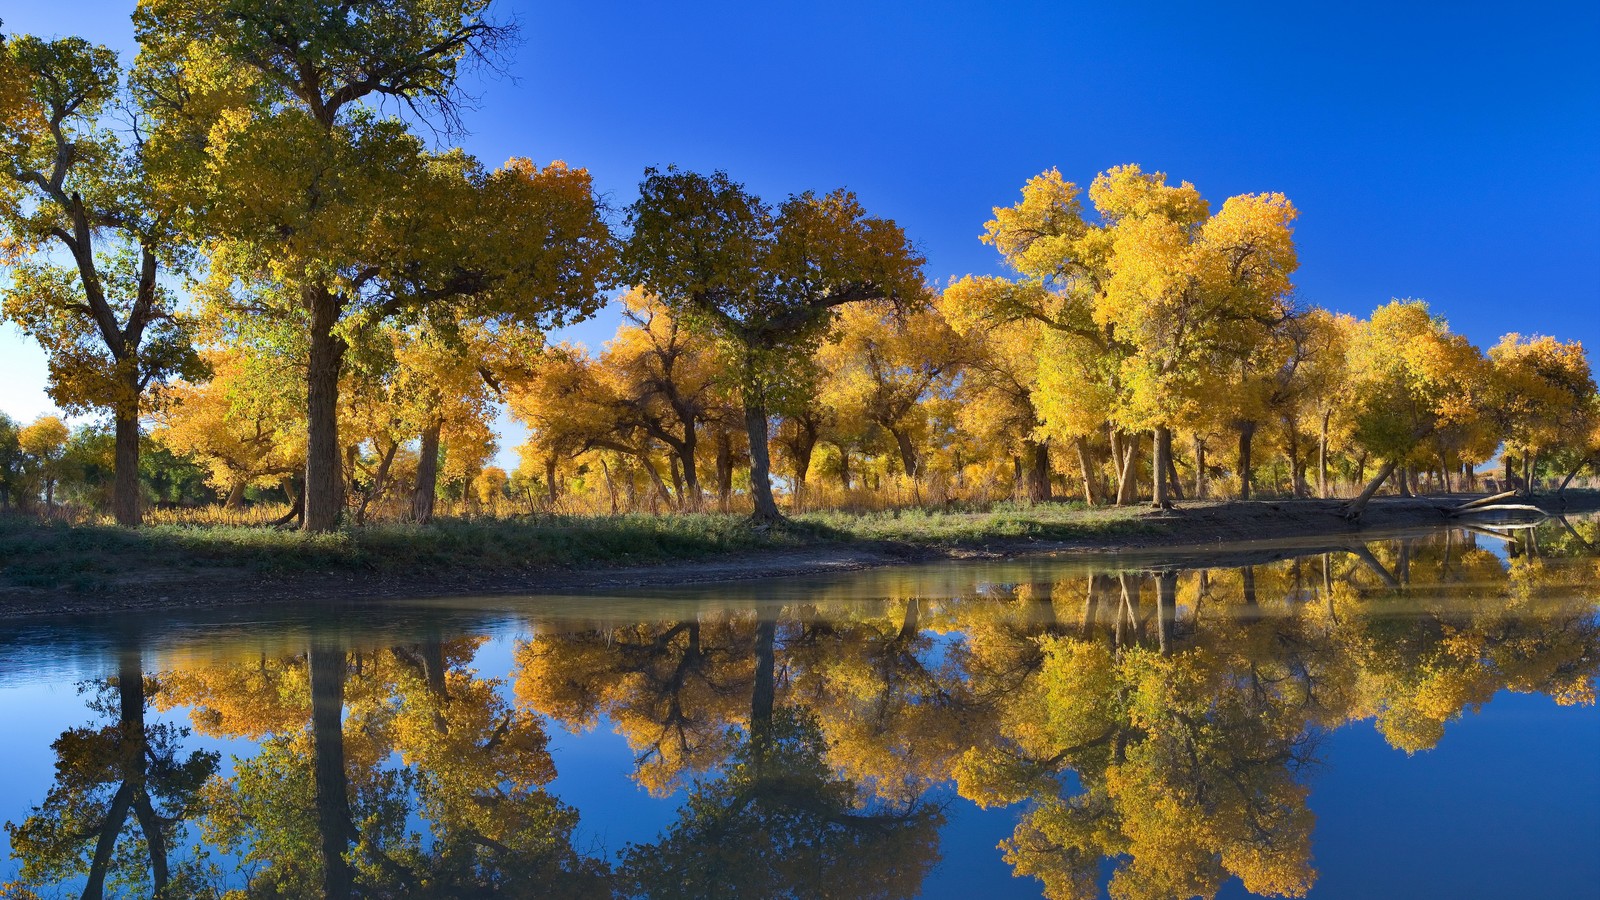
{"x": 55, "y": 569}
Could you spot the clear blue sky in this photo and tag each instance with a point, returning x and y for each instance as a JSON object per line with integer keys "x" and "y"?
{"x": 1443, "y": 151}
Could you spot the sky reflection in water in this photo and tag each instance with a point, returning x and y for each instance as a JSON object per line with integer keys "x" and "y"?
{"x": 1408, "y": 717}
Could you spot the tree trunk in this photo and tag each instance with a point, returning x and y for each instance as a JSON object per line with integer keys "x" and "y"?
{"x": 551, "y": 489}
{"x": 1199, "y": 467}
{"x": 908, "y": 453}
{"x": 1160, "y": 496}
{"x": 1247, "y": 433}
{"x": 427, "y": 487}
{"x": 1568, "y": 480}
{"x": 755, "y": 424}
{"x": 724, "y": 469}
{"x": 335, "y": 830}
{"x": 235, "y": 494}
{"x": 1322, "y": 457}
{"x": 1173, "y": 480}
{"x": 1082, "y": 446}
{"x": 1166, "y": 609}
{"x": 324, "y": 493}
{"x": 844, "y": 467}
{"x": 764, "y": 690}
{"x": 1404, "y": 481}
{"x": 689, "y": 491}
{"x": 1038, "y": 453}
{"x": 802, "y": 466}
{"x": 1126, "y": 484}
{"x": 1354, "y": 508}
{"x": 125, "y": 490}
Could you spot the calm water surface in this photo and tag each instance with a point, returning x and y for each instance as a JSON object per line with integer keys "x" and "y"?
{"x": 1410, "y": 717}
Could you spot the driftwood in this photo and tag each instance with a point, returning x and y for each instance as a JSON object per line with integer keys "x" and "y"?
{"x": 1483, "y": 501}
{"x": 1501, "y": 507}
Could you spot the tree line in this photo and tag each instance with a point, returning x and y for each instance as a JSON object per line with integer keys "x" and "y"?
{"x": 243, "y": 245}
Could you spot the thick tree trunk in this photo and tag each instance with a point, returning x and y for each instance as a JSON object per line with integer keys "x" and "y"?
{"x": 802, "y": 467}
{"x": 908, "y": 453}
{"x": 1354, "y": 508}
{"x": 689, "y": 492}
{"x": 1199, "y": 467}
{"x": 125, "y": 490}
{"x": 324, "y": 492}
{"x": 1038, "y": 453}
{"x": 1166, "y": 609}
{"x": 1247, "y": 433}
{"x": 1081, "y": 445}
{"x": 551, "y": 489}
{"x": 427, "y": 487}
{"x": 1403, "y": 480}
{"x": 764, "y": 690}
{"x": 1127, "y": 483}
{"x": 335, "y": 830}
{"x": 844, "y": 468}
{"x": 1160, "y": 495}
{"x": 235, "y": 495}
{"x": 755, "y": 423}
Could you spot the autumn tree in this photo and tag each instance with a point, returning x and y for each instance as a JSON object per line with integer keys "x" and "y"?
{"x": 1541, "y": 397}
{"x": 1410, "y": 378}
{"x": 337, "y": 218}
{"x": 88, "y": 235}
{"x": 763, "y": 282}
{"x": 122, "y": 795}
{"x": 44, "y": 445}
{"x": 239, "y": 424}
{"x": 886, "y": 366}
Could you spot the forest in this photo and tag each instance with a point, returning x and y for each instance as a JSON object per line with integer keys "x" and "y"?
{"x": 277, "y": 297}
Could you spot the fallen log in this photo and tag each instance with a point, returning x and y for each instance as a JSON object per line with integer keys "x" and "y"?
{"x": 1500, "y": 507}
{"x": 1484, "y": 501}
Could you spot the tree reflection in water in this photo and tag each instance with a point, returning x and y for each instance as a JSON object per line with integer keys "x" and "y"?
{"x": 1159, "y": 725}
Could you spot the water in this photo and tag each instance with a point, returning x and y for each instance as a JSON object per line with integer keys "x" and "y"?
{"x": 1409, "y": 717}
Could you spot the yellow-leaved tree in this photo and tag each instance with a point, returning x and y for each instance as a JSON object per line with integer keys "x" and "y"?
{"x": 340, "y": 218}
{"x": 86, "y": 235}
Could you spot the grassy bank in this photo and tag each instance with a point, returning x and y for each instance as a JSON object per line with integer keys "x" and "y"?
{"x": 82, "y": 558}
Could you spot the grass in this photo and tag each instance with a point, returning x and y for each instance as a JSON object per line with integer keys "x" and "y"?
{"x": 87, "y": 557}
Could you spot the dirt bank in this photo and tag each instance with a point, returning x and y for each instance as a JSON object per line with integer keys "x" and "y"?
{"x": 1193, "y": 527}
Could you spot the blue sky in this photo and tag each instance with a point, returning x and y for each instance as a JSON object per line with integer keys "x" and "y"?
{"x": 1443, "y": 151}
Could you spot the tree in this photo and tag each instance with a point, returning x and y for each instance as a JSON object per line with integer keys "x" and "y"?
{"x": 241, "y": 424}
{"x": 337, "y": 218}
{"x": 884, "y": 367}
{"x": 1410, "y": 379}
{"x": 90, "y": 233}
{"x": 12, "y": 462}
{"x": 122, "y": 794}
{"x": 45, "y": 444}
{"x": 763, "y": 282}
{"x": 1541, "y": 397}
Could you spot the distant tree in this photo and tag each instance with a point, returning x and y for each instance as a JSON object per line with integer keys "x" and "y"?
{"x": 763, "y": 282}
{"x": 43, "y": 444}
{"x": 12, "y": 463}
